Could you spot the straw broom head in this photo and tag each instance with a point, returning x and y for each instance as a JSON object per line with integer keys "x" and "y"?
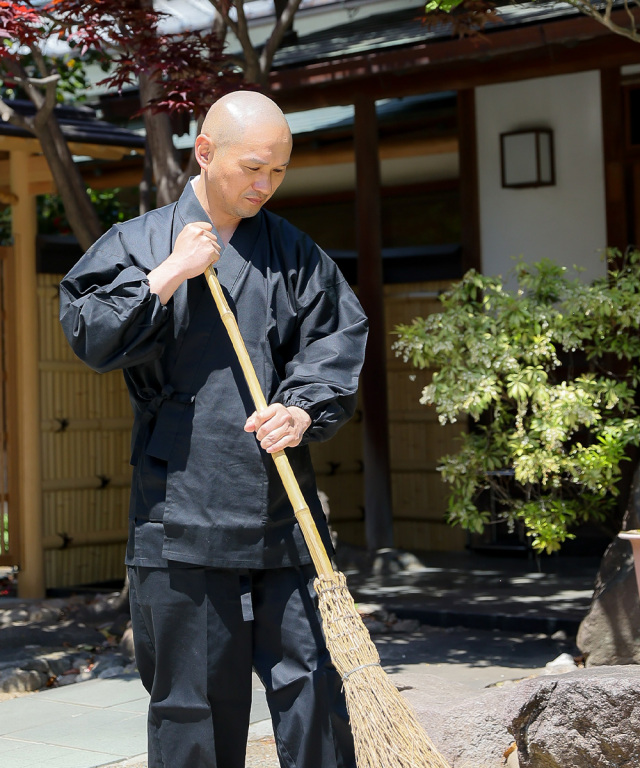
{"x": 385, "y": 729}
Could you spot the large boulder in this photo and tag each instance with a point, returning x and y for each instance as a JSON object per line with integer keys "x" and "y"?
{"x": 610, "y": 632}
{"x": 585, "y": 719}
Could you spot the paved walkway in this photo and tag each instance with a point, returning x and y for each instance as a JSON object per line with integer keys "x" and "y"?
{"x": 490, "y": 620}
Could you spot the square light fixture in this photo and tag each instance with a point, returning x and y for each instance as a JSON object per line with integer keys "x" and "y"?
{"x": 527, "y": 158}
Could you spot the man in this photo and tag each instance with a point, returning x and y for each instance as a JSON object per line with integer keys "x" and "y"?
{"x": 219, "y": 573}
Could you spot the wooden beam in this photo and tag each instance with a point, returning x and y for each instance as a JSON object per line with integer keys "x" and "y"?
{"x": 344, "y": 152}
{"x": 103, "y": 151}
{"x": 508, "y": 55}
{"x": 377, "y": 465}
{"x": 99, "y": 151}
{"x": 7, "y": 197}
{"x": 111, "y": 178}
{"x": 26, "y": 341}
{"x": 85, "y": 539}
{"x": 469, "y": 195}
{"x": 20, "y": 144}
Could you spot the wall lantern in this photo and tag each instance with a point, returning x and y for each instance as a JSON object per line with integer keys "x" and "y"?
{"x": 527, "y": 158}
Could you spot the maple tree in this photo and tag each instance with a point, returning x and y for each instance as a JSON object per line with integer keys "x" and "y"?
{"x": 180, "y": 72}
{"x": 175, "y": 73}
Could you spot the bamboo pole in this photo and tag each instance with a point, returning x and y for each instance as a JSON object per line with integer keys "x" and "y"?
{"x": 300, "y": 507}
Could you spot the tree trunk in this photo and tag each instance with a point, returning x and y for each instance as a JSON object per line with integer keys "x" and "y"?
{"x": 164, "y": 156}
{"x": 71, "y": 187}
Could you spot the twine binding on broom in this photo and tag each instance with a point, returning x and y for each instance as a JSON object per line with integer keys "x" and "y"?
{"x": 357, "y": 669}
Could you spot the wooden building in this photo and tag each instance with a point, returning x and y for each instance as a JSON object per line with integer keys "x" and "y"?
{"x": 403, "y": 187}
{"x": 63, "y": 426}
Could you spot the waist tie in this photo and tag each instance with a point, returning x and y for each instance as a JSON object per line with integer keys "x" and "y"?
{"x": 150, "y": 412}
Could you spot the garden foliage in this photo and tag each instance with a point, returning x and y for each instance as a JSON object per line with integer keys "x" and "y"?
{"x": 548, "y": 375}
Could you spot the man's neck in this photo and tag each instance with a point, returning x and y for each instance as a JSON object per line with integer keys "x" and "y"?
{"x": 224, "y": 225}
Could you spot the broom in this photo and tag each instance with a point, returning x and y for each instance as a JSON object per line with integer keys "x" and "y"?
{"x": 385, "y": 730}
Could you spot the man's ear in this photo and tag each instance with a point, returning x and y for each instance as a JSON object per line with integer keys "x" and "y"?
{"x": 203, "y": 150}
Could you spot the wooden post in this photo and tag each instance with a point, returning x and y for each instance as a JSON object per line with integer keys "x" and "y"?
{"x": 377, "y": 472}
{"x": 469, "y": 197}
{"x": 25, "y": 330}
{"x": 613, "y": 137}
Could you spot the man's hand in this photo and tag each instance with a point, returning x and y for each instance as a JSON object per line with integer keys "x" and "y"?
{"x": 196, "y": 247}
{"x": 278, "y": 427}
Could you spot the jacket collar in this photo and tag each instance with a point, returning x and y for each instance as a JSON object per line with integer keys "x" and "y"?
{"x": 237, "y": 254}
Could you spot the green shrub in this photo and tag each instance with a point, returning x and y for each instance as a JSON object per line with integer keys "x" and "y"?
{"x": 548, "y": 374}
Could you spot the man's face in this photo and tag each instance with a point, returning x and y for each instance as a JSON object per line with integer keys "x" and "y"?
{"x": 243, "y": 175}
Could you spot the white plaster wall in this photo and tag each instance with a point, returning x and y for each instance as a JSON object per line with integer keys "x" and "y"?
{"x": 565, "y": 222}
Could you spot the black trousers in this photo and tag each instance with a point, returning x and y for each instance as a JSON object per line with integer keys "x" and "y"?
{"x": 199, "y": 631}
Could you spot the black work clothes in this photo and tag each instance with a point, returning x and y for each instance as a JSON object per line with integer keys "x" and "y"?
{"x": 204, "y": 492}
{"x": 199, "y": 678}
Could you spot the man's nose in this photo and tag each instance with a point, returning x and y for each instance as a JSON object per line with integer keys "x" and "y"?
{"x": 263, "y": 184}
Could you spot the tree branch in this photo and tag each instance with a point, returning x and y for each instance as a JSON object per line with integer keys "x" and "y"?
{"x": 632, "y": 20}
{"x": 277, "y": 33}
{"x": 40, "y": 61}
{"x": 584, "y": 6}
{"x": 218, "y": 6}
{"x": 252, "y": 69}
{"x": 9, "y": 115}
{"x": 33, "y": 85}
{"x": 44, "y": 112}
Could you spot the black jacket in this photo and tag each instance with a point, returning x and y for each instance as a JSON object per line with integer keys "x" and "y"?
{"x": 203, "y": 490}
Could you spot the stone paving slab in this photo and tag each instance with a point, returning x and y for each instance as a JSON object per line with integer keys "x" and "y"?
{"x": 48, "y": 756}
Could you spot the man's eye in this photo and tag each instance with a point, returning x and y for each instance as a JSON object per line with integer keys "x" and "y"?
{"x": 252, "y": 169}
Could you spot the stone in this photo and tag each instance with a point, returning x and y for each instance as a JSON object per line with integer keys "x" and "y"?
{"x": 585, "y": 719}
{"x": 37, "y": 664}
{"x": 43, "y": 612}
{"x": 126, "y": 643}
{"x": 58, "y": 661}
{"x": 21, "y": 680}
{"x": 66, "y": 680}
{"x": 610, "y": 632}
{"x": 114, "y": 671}
{"x": 589, "y": 718}
{"x": 563, "y": 663}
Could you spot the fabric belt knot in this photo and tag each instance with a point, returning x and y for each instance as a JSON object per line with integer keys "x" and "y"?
{"x": 153, "y": 406}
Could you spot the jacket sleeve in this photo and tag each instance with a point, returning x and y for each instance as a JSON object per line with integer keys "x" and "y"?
{"x": 321, "y": 375}
{"x": 108, "y": 314}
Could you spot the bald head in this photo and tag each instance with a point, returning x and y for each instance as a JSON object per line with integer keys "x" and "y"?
{"x": 243, "y": 152}
{"x": 234, "y": 114}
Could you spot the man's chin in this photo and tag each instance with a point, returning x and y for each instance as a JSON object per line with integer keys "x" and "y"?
{"x": 249, "y": 212}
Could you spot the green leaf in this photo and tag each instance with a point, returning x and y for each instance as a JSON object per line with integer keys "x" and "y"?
{"x": 442, "y": 5}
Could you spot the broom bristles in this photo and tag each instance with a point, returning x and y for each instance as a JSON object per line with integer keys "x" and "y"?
{"x": 385, "y": 729}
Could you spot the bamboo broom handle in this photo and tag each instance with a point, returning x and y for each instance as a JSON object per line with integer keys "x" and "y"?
{"x": 300, "y": 507}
